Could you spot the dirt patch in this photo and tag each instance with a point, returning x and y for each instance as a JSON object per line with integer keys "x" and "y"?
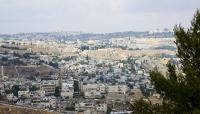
{"x": 8, "y": 109}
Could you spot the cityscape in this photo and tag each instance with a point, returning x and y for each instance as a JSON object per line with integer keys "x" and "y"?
{"x": 99, "y": 57}
{"x": 93, "y": 75}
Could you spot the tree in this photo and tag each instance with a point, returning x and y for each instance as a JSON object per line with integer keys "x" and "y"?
{"x": 57, "y": 92}
{"x": 15, "y": 89}
{"x": 8, "y": 91}
{"x": 145, "y": 107}
{"x": 87, "y": 57}
{"x": 180, "y": 88}
{"x": 76, "y": 86}
{"x": 133, "y": 70}
{"x": 33, "y": 88}
{"x": 54, "y": 64}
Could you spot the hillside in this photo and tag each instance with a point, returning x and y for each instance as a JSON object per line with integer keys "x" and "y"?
{"x": 8, "y": 109}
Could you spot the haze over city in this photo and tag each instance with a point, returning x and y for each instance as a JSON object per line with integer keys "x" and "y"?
{"x": 99, "y": 56}
{"x": 97, "y": 16}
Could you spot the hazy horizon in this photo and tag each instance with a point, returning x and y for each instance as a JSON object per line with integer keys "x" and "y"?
{"x": 92, "y": 16}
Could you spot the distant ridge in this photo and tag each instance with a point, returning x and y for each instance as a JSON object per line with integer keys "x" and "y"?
{"x": 86, "y": 36}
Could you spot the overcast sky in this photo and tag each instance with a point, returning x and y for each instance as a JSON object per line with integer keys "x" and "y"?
{"x": 94, "y": 15}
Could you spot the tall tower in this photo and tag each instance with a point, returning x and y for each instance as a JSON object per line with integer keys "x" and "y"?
{"x": 60, "y": 75}
{"x": 2, "y": 73}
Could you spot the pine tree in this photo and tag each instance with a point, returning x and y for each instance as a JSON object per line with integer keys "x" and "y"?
{"x": 57, "y": 92}
{"x": 181, "y": 90}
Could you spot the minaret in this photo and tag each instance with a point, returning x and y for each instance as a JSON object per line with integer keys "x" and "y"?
{"x": 60, "y": 74}
{"x": 18, "y": 81}
{"x": 2, "y": 73}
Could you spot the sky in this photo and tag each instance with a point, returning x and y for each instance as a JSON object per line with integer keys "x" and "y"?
{"x": 94, "y": 16}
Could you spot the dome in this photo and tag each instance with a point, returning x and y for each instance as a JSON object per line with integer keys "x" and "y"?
{"x": 91, "y": 42}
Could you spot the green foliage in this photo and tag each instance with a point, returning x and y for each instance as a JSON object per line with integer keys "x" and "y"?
{"x": 87, "y": 57}
{"x": 70, "y": 108}
{"x": 57, "y": 92}
{"x": 15, "y": 89}
{"x": 31, "y": 78}
{"x": 99, "y": 65}
{"x": 8, "y": 91}
{"x": 53, "y": 64}
{"x": 133, "y": 69}
{"x": 33, "y": 88}
{"x": 84, "y": 62}
{"x": 142, "y": 107}
{"x": 181, "y": 90}
{"x": 146, "y": 107}
{"x": 76, "y": 86}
